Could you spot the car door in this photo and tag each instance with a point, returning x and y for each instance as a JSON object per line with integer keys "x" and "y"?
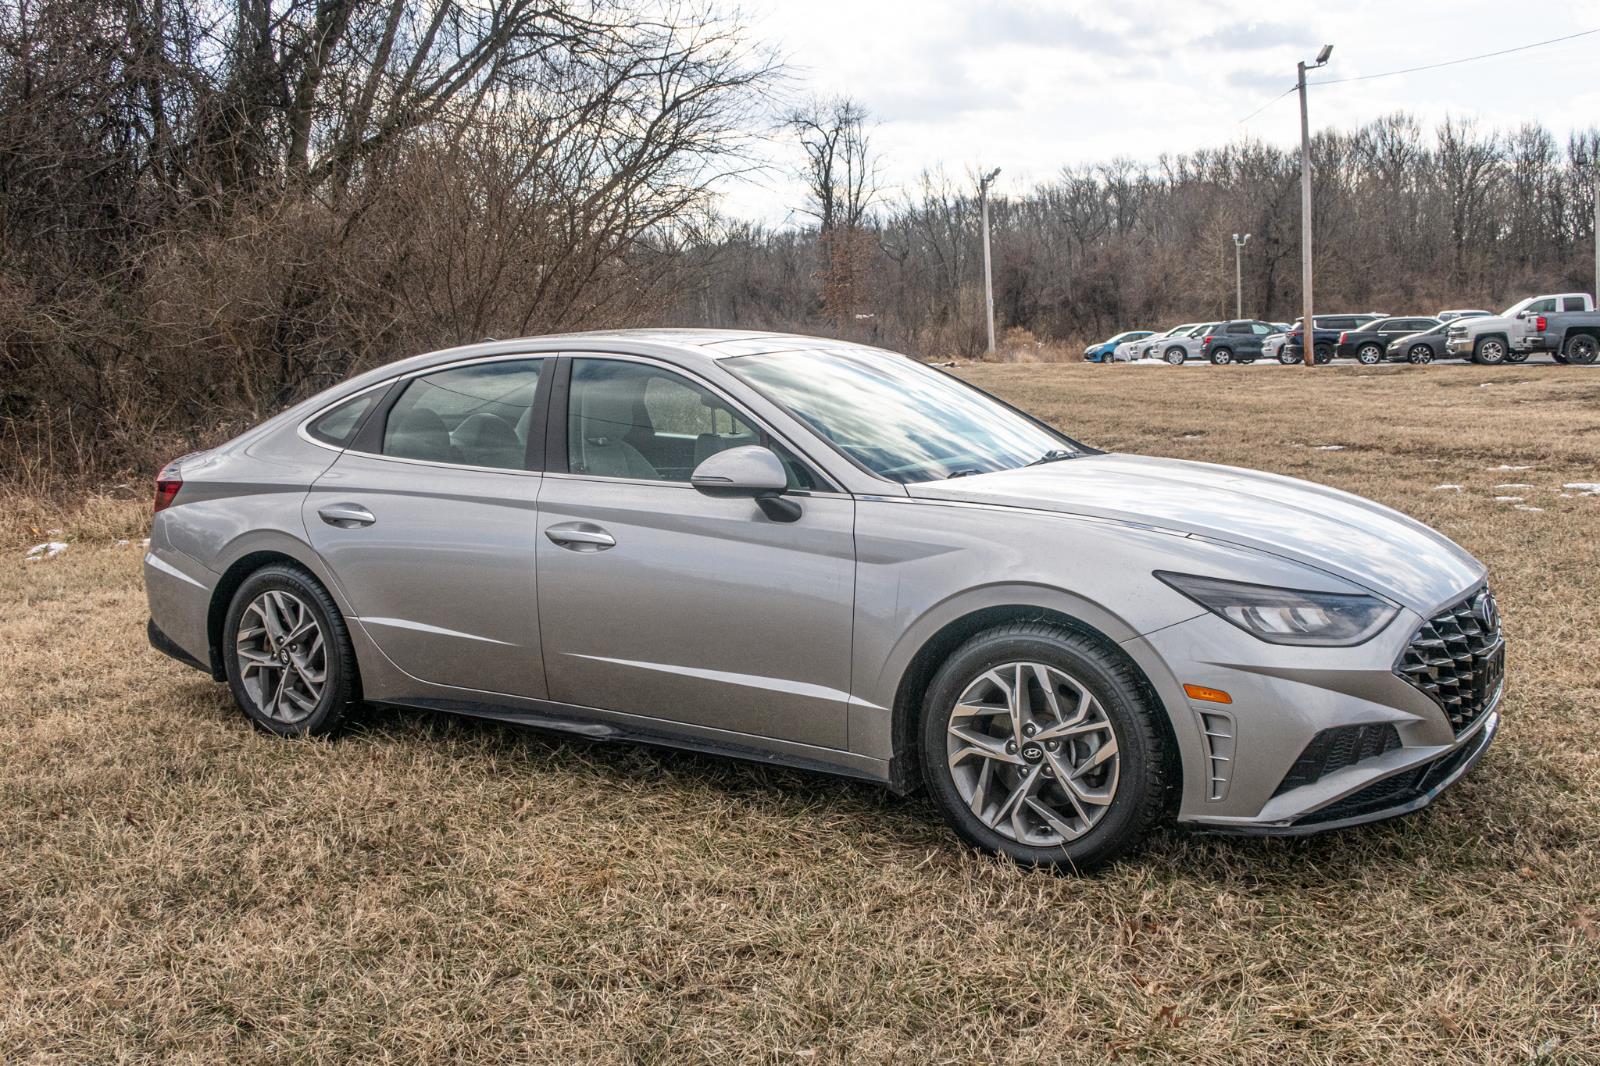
{"x": 658, "y": 600}
{"x": 1259, "y": 332}
{"x": 428, "y": 524}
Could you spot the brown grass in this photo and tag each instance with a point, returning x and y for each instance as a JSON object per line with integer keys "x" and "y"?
{"x": 174, "y": 886}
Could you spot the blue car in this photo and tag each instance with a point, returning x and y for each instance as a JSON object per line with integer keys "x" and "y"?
{"x": 1101, "y": 353}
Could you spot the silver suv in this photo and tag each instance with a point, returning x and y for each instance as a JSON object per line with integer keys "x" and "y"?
{"x": 807, "y": 552}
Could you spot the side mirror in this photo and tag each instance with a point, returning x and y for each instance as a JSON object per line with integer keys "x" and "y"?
{"x": 749, "y": 470}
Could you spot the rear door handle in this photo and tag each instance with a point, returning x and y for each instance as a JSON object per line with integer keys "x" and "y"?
{"x": 346, "y": 515}
{"x": 581, "y": 537}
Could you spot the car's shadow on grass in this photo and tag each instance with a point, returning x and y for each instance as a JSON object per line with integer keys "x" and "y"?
{"x": 1449, "y": 836}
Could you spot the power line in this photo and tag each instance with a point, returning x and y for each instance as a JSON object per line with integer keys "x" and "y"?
{"x": 1426, "y": 66}
{"x": 1268, "y": 104}
{"x": 1455, "y": 62}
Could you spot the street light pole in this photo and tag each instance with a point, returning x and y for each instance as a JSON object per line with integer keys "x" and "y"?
{"x": 1308, "y": 326}
{"x": 988, "y": 279}
{"x": 1238, "y": 274}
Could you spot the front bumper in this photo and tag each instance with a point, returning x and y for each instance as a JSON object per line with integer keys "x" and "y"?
{"x": 1245, "y": 763}
{"x": 1459, "y": 345}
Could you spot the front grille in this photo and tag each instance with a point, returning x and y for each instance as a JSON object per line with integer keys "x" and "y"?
{"x": 1334, "y": 749}
{"x": 1457, "y": 657}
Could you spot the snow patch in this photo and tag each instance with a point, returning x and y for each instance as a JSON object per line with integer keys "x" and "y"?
{"x": 1330, "y": 447}
{"x": 1584, "y": 488}
{"x": 48, "y": 550}
{"x": 1503, "y": 466}
{"x": 1447, "y": 488}
{"x": 1514, "y": 485}
{"x": 1508, "y": 499}
{"x": 1525, "y": 507}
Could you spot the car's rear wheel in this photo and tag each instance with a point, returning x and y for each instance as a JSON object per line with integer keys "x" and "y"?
{"x": 1517, "y": 357}
{"x": 1174, "y": 355}
{"x": 1040, "y": 745}
{"x": 1286, "y": 357}
{"x": 1582, "y": 350}
{"x": 1322, "y": 353}
{"x": 1489, "y": 351}
{"x": 1369, "y": 354}
{"x": 1419, "y": 354}
{"x": 1221, "y": 356}
{"x": 1560, "y": 357}
{"x": 290, "y": 664}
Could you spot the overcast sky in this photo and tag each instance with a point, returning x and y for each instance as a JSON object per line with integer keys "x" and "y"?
{"x": 1032, "y": 86}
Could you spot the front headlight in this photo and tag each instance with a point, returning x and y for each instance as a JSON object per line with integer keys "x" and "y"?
{"x": 1287, "y": 616}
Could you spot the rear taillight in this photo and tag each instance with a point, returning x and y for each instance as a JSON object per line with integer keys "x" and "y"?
{"x": 1207, "y": 340}
{"x": 1344, "y": 338}
{"x": 168, "y": 482}
{"x": 1540, "y": 324}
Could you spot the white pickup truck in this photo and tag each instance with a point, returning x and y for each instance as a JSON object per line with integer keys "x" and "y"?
{"x": 1518, "y": 331}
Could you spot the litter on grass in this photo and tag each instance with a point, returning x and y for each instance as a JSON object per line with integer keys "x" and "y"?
{"x": 48, "y": 550}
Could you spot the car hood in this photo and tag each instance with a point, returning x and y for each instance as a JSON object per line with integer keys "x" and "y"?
{"x": 1353, "y": 538}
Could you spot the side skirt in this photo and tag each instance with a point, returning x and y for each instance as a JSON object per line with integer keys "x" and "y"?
{"x": 608, "y": 726}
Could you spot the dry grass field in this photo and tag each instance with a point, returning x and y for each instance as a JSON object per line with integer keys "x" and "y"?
{"x": 175, "y": 887}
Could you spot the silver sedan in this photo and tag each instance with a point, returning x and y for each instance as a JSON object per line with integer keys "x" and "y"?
{"x": 830, "y": 556}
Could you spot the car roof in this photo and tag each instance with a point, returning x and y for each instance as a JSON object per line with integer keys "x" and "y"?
{"x": 686, "y": 346}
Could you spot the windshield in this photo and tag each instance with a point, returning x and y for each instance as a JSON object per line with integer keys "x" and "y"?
{"x": 1511, "y": 311}
{"x": 896, "y": 417}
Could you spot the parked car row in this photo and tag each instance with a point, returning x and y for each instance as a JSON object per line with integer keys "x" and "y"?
{"x": 1564, "y": 324}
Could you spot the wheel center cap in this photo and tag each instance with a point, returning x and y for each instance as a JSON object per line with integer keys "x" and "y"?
{"x": 283, "y": 656}
{"x": 1033, "y": 753}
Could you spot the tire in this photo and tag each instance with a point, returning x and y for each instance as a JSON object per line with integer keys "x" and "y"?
{"x": 1323, "y": 354}
{"x": 280, "y": 696}
{"x": 1489, "y": 351}
{"x": 1247, "y": 359}
{"x": 1369, "y": 354}
{"x": 1133, "y": 789}
{"x": 1581, "y": 349}
{"x": 1419, "y": 354}
{"x": 1221, "y": 356}
{"x": 1286, "y": 358}
{"x": 1560, "y": 357}
{"x": 1175, "y": 355}
{"x": 1517, "y": 357}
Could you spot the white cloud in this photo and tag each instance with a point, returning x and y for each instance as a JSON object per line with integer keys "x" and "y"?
{"x": 1033, "y": 86}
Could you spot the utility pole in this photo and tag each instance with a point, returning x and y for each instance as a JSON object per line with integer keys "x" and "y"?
{"x": 1584, "y": 162}
{"x": 1308, "y": 327}
{"x": 1238, "y": 274}
{"x": 988, "y": 279}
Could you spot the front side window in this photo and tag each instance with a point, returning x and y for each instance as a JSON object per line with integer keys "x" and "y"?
{"x": 898, "y": 418}
{"x": 478, "y": 415}
{"x": 635, "y": 420}
{"x": 1543, "y": 307}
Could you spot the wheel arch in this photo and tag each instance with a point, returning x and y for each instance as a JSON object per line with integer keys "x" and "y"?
{"x": 935, "y": 648}
{"x": 244, "y": 557}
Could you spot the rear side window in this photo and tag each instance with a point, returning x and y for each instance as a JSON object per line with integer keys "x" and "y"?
{"x": 1238, "y": 327}
{"x": 478, "y": 415}
{"x": 338, "y": 426}
{"x": 1572, "y": 303}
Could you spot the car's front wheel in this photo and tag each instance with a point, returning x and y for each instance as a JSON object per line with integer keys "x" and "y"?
{"x": 290, "y": 664}
{"x": 1489, "y": 351}
{"x": 1174, "y": 355}
{"x": 1286, "y": 357}
{"x": 1042, "y": 746}
{"x": 1221, "y": 356}
{"x": 1419, "y": 354}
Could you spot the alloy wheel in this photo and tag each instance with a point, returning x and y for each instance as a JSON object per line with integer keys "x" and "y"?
{"x": 1582, "y": 350}
{"x": 1419, "y": 354}
{"x": 1033, "y": 754}
{"x": 1369, "y": 355}
{"x": 282, "y": 656}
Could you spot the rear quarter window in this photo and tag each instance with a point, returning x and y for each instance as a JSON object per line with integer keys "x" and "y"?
{"x": 338, "y": 426}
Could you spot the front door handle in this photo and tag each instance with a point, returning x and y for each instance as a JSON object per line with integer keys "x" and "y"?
{"x": 581, "y": 537}
{"x": 346, "y": 515}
